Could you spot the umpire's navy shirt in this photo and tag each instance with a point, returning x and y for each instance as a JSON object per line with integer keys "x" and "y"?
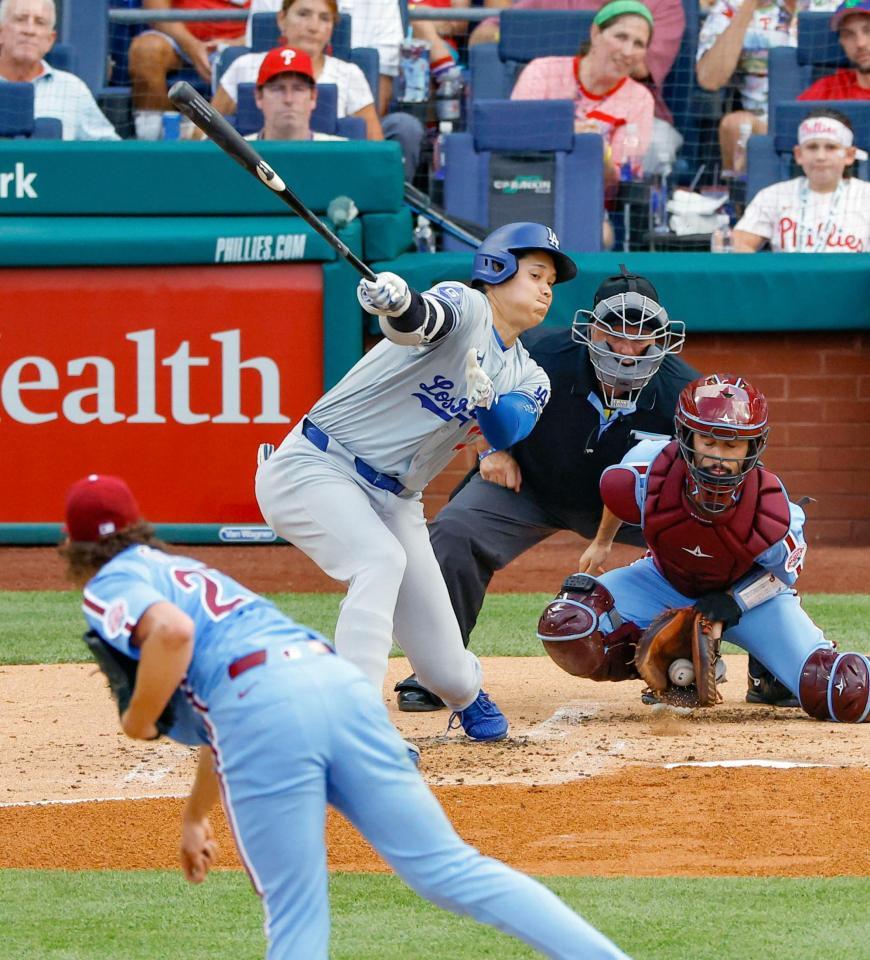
{"x": 563, "y": 458}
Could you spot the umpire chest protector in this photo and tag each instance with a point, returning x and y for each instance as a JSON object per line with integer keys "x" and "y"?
{"x": 700, "y": 555}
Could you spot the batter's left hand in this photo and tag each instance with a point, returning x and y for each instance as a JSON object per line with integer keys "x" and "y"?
{"x": 386, "y": 296}
{"x": 593, "y": 559}
{"x": 198, "y": 850}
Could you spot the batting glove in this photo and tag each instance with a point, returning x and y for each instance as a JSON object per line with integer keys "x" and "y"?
{"x": 386, "y": 296}
{"x": 480, "y": 391}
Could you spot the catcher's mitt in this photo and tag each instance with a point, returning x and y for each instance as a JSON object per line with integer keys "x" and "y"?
{"x": 120, "y": 671}
{"x": 680, "y": 633}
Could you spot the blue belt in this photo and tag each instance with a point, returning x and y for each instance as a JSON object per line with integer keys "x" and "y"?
{"x": 383, "y": 481}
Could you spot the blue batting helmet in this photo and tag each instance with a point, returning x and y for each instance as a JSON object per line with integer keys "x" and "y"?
{"x": 496, "y": 258}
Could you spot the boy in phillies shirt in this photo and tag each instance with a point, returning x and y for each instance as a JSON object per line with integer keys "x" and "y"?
{"x": 821, "y": 212}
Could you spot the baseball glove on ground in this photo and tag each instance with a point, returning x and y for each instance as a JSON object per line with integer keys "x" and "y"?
{"x": 120, "y": 671}
{"x": 680, "y": 633}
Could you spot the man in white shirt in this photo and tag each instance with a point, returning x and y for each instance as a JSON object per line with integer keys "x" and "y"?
{"x": 26, "y": 35}
{"x": 287, "y": 95}
{"x": 821, "y": 212}
{"x": 374, "y": 23}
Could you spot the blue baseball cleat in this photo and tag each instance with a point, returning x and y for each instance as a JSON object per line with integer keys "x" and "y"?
{"x": 481, "y": 720}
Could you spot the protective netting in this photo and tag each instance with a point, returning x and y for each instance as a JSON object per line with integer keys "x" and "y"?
{"x": 707, "y": 97}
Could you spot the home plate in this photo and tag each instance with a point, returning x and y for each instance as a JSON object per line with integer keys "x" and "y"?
{"x": 777, "y": 764}
{"x": 568, "y": 715}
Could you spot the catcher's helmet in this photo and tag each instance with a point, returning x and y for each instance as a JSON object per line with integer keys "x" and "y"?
{"x": 635, "y": 318}
{"x": 495, "y": 260}
{"x": 726, "y": 407}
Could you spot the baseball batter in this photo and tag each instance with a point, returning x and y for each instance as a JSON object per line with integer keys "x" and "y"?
{"x": 264, "y": 689}
{"x": 345, "y": 485}
{"x": 725, "y": 540}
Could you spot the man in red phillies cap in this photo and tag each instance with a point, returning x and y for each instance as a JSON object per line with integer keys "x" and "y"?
{"x": 99, "y": 506}
{"x": 287, "y": 95}
{"x": 851, "y": 20}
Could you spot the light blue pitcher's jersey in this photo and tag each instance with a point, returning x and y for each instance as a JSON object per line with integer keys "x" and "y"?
{"x": 403, "y": 409}
{"x": 229, "y": 620}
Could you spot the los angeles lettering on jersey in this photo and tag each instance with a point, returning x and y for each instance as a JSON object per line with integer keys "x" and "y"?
{"x": 442, "y": 403}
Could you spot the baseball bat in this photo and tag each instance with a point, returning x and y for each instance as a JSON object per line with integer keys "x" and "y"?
{"x": 220, "y": 131}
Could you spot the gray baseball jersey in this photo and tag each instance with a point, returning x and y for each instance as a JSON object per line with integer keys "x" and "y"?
{"x": 404, "y": 410}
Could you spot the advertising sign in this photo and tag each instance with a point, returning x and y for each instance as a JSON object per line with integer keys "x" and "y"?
{"x": 170, "y": 378}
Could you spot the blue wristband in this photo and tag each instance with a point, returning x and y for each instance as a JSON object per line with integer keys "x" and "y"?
{"x": 486, "y": 453}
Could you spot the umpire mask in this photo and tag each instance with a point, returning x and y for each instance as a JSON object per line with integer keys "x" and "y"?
{"x": 628, "y": 336}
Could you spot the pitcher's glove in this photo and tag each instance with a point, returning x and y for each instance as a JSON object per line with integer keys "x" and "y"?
{"x": 120, "y": 671}
{"x": 681, "y": 633}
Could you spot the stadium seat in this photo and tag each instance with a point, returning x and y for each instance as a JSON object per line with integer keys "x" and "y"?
{"x": 524, "y": 35}
{"x": 792, "y": 69}
{"x": 523, "y": 161}
{"x": 85, "y": 27}
{"x": 16, "y": 115}
{"x": 16, "y": 109}
{"x": 249, "y": 119}
{"x": 62, "y": 57}
{"x": 225, "y": 58}
{"x": 770, "y": 158}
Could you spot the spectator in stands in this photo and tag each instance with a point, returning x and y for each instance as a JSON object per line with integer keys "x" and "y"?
{"x": 374, "y": 23}
{"x": 607, "y": 100}
{"x": 171, "y": 46}
{"x": 824, "y": 211}
{"x": 287, "y": 95}
{"x": 852, "y": 22}
{"x": 307, "y": 25}
{"x": 733, "y": 47}
{"x": 651, "y": 69}
{"x": 26, "y": 35}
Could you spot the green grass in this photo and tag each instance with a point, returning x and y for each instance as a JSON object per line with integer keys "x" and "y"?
{"x": 103, "y": 915}
{"x": 46, "y": 626}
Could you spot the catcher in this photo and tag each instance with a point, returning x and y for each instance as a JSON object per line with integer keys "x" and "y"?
{"x": 725, "y": 549}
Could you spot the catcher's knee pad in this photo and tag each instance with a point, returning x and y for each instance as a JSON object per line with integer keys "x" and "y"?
{"x": 836, "y": 686}
{"x": 584, "y": 634}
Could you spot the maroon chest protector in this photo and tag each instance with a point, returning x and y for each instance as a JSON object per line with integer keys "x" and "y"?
{"x": 701, "y": 555}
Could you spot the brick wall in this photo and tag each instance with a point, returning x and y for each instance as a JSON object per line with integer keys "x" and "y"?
{"x": 818, "y": 387}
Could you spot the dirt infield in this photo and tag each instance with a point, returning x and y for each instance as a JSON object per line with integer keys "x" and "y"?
{"x": 590, "y": 782}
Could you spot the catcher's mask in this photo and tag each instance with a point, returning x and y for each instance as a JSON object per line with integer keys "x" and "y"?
{"x": 628, "y": 336}
{"x": 725, "y": 407}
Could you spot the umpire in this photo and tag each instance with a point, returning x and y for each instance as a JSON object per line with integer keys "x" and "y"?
{"x": 615, "y": 377}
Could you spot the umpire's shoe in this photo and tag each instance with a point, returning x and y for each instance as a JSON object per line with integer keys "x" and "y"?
{"x": 765, "y": 688}
{"x": 481, "y": 720}
{"x": 415, "y": 698}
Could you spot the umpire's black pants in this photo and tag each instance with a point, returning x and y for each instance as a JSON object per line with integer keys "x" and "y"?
{"x": 484, "y": 527}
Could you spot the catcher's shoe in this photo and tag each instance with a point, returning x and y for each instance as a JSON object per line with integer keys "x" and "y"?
{"x": 677, "y": 698}
{"x": 415, "y": 698}
{"x": 765, "y": 688}
{"x": 481, "y": 720}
